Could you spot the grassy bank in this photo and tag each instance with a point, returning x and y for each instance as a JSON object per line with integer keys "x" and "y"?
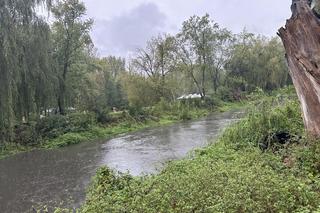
{"x": 60, "y": 135}
{"x": 233, "y": 175}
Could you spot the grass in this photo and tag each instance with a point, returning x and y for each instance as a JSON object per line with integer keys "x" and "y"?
{"x": 118, "y": 128}
{"x": 97, "y": 132}
{"x": 227, "y": 106}
{"x": 232, "y": 175}
{"x": 10, "y": 149}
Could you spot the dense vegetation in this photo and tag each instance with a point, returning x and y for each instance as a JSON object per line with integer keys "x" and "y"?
{"x": 236, "y": 174}
{"x": 53, "y": 84}
{"x": 56, "y": 91}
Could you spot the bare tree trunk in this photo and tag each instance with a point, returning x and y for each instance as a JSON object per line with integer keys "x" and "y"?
{"x": 301, "y": 38}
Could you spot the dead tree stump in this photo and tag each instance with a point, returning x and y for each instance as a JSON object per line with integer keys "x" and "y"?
{"x": 301, "y": 39}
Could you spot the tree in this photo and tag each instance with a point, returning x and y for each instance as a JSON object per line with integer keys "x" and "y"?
{"x": 221, "y": 43}
{"x": 157, "y": 61}
{"x": 302, "y": 43}
{"x": 111, "y": 69}
{"x": 139, "y": 90}
{"x": 20, "y": 31}
{"x": 195, "y": 48}
{"x": 71, "y": 35}
{"x": 258, "y": 61}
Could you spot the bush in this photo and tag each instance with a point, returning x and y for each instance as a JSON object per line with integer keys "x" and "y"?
{"x": 79, "y": 122}
{"x": 138, "y": 113}
{"x": 56, "y": 125}
{"x": 103, "y": 116}
{"x": 52, "y": 126}
{"x": 183, "y": 109}
{"x": 25, "y": 134}
{"x": 184, "y": 115}
{"x": 232, "y": 175}
{"x": 221, "y": 180}
{"x": 67, "y": 139}
{"x": 225, "y": 94}
{"x": 264, "y": 120}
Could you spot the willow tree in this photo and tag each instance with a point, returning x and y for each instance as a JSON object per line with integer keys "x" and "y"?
{"x": 71, "y": 36}
{"x": 19, "y": 25}
{"x": 301, "y": 38}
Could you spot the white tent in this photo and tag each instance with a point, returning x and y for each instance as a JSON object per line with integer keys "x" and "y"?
{"x": 189, "y": 96}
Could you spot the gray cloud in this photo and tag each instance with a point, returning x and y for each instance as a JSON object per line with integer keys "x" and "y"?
{"x": 122, "y": 26}
{"x": 124, "y": 33}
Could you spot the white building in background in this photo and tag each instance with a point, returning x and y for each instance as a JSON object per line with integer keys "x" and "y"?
{"x": 190, "y": 96}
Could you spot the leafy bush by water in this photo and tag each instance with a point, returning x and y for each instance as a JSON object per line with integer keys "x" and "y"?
{"x": 56, "y": 125}
{"x": 25, "y": 134}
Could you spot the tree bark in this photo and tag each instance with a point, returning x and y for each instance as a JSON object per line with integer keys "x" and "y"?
{"x": 301, "y": 39}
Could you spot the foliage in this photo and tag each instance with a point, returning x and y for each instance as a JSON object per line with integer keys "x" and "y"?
{"x": 201, "y": 43}
{"x": 207, "y": 59}
{"x": 157, "y": 61}
{"x": 183, "y": 110}
{"x": 54, "y": 126}
{"x": 24, "y": 63}
{"x": 139, "y": 90}
{"x": 71, "y": 37}
{"x": 232, "y": 175}
{"x": 103, "y": 86}
{"x": 59, "y": 131}
{"x": 25, "y": 134}
{"x": 259, "y": 62}
{"x": 256, "y": 126}
{"x": 49, "y": 67}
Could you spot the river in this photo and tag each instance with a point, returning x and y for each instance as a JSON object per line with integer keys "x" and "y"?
{"x": 60, "y": 177}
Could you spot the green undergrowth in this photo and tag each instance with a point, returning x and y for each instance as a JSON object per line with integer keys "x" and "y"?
{"x": 123, "y": 123}
{"x": 9, "y": 149}
{"x": 58, "y": 131}
{"x": 124, "y": 126}
{"x": 231, "y": 175}
{"x": 102, "y": 133}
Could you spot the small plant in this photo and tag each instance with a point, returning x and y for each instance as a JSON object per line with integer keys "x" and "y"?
{"x": 184, "y": 115}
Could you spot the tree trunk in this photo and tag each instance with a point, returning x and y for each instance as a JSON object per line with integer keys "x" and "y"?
{"x": 301, "y": 39}
{"x": 61, "y": 97}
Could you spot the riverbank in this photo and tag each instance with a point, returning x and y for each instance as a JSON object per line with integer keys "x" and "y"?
{"x": 249, "y": 169}
{"x": 122, "y": 123}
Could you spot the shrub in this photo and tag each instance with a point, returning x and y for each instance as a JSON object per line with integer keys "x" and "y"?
{"x": 225, "y": 94}
{"x": 264, "y": 120}
{"x": 52, "y": 126}
{"x": 56, "y": 125}
{"x": 184, "y": 115}
{"x": 232, "y": 175}
{"x": 221, "y": 180}
{"x": 138, "y": 113}
{"x": 25, "y": 134}
{"x": 79, "y": 122}
{"x": 103, "y": 116}
{"x": 67, "y": 139}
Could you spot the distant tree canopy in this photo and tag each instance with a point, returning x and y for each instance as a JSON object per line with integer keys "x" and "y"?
{"x": 52, "y": 68}
{"x": 259, "y": 62}
{"x": 209, "y": 60}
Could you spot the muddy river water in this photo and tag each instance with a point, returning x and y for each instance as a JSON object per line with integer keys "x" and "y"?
{"x": 60, "y": 177}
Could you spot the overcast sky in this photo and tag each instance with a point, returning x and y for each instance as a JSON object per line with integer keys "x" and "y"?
{"x": 122, "y": 26}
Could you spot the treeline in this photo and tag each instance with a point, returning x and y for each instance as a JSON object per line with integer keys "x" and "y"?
{"x": 52, "y": 68}
{"x": 206, "y": 59}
